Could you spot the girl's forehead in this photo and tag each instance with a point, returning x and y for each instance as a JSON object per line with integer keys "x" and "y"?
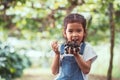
{"x": 74, "y": 25}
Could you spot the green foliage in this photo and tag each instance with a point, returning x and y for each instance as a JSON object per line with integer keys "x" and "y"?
{"x": 2, "y": 23}
{"x": 6, "y": 4}
{"x": 39, "y": 18}
{"x": 11, "y": 63}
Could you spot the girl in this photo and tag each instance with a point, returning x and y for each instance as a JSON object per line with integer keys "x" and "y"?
{"x": 73, "y": 65}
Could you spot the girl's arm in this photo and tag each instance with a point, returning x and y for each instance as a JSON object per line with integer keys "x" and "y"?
{"x": 56, "y": 60}
{"x": 55, "y": 64}
{"x": 84, "y": 65}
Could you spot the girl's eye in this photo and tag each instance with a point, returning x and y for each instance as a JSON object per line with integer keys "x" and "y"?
{"x": 79, "y": 30}
{"x": 70, "y": 31}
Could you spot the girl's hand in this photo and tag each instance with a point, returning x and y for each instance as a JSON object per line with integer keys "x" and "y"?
{"x": 54, "y": 46}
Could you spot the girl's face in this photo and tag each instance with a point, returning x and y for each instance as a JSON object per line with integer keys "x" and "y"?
{"x": 74, "y": 31}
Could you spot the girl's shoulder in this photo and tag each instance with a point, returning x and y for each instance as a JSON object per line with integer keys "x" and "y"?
{"x": 88, "y": 45}
{"x": 89, "y": 52}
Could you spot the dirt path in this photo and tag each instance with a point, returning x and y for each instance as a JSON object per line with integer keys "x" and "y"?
{"x": 44, "y": 74}
{"x": 98, "y": 77}
{"x": 50, "y": 77}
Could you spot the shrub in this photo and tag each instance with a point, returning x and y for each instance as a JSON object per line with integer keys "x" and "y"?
{"x": 12, "y": 63}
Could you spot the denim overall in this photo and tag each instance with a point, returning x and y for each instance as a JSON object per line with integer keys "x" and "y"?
{"x": 69, "y": 69}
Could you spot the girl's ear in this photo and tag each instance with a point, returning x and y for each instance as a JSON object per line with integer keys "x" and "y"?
{"x": 85, "y": 34}
{"x": 64, "y": 34}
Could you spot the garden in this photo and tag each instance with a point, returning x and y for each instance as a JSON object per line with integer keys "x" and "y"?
{"x": 27, "y": 28}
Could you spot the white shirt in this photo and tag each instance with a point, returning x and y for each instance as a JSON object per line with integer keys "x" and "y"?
{"x": 88, "y": 54}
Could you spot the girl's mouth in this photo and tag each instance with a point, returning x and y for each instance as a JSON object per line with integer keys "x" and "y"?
{"x": 75, "y": 39}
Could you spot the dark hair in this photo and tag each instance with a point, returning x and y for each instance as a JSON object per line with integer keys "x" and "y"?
{"x": 72, "y": 18}
{"x": 75, "y": 18}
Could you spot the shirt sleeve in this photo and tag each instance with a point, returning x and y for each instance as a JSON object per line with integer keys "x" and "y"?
{"x": 89, "y": 53}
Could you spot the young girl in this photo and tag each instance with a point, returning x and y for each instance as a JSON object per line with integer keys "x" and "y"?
{"x": 73, "y": 65}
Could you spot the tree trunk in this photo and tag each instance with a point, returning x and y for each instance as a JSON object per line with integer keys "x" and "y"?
{"x": 112, "y": 33}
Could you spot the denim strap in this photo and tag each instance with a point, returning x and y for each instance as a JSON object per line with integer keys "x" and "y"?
{"x": 82, "y": 48}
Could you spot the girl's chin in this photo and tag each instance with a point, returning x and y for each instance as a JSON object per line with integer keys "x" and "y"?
{"x": 78, "y": 42}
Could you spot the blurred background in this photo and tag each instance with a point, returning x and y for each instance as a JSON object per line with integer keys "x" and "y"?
{"x": 28, "y": 26}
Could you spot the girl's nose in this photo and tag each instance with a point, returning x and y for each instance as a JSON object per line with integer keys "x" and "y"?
{"x": 74, "y": 38}
{"x": 74, "y": 34}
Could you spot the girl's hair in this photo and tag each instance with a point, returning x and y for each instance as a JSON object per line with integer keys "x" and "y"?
{"x": 75, "y": 18}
